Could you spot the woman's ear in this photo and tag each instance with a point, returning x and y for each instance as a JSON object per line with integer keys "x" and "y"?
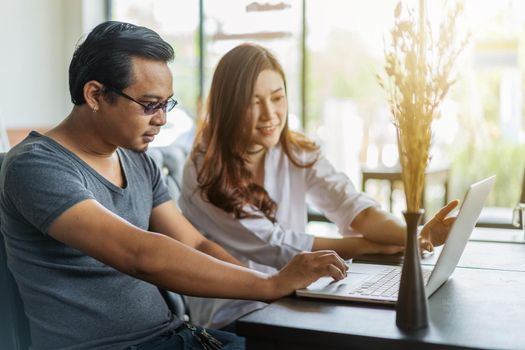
{"x": 93, "y": 94}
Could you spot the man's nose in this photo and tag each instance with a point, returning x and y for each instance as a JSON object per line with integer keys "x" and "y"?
{"x": 159, "y": 119}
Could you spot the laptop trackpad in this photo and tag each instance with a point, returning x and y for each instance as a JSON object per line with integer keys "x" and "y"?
{"x": 357, "y": 274}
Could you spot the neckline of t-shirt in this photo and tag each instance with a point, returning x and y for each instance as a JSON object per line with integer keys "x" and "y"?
{"x": 79, "y": 160}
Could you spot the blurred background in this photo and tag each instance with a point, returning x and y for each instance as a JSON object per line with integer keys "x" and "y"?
{"x": 331, "y": 51}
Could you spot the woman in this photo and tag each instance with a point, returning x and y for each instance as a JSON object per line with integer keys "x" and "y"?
{"x": 248, "y": 179}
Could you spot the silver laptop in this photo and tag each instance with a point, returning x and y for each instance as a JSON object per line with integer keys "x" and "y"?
{"x": 375, "y": 283}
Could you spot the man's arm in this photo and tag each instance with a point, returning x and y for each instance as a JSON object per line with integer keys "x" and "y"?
{"x": 167, "y": 219}
{"x": 170, "y": 264}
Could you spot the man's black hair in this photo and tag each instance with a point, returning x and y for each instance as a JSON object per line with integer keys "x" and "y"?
{"x": 105, "y": 56}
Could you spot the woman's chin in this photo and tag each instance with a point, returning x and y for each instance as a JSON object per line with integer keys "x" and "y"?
{"x": 269, "y": 145}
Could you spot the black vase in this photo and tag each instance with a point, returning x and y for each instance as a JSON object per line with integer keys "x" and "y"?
{"x": 412, "y": 304}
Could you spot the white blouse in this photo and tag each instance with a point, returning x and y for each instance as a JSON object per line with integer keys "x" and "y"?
{"x": 256, "y": 241}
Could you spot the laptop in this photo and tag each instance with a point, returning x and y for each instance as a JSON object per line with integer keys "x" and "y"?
{"x": 379, "y": 283}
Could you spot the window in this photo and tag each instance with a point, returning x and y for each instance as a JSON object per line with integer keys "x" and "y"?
{"x": 481, "y": 129}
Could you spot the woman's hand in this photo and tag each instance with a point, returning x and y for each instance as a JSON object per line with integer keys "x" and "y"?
{"x": 435, "y": 231}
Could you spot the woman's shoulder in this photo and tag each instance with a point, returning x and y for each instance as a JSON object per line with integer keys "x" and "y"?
{"x": 301, "y": 148}
{"x": 190, "y": 174}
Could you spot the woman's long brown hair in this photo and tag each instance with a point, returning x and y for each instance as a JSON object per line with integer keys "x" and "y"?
{"x": 220, "y": 150}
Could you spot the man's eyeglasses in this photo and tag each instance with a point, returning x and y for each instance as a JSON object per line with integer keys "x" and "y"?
{"x": 150, "y": 108}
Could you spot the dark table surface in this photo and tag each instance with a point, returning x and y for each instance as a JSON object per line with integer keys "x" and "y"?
{"x": 479, "y": 255}
{"x": 482, "y": 306}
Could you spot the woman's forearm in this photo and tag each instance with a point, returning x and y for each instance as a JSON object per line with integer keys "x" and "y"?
{"x": 350, "y": 247}
{"x": 379, "y": 226}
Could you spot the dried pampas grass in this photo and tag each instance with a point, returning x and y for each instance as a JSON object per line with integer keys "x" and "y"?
{"x": 418, "y": 77}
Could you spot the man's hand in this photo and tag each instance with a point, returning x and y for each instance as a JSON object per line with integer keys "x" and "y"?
{"x": 435, "y": 232}
{"x": 306, "y": 268}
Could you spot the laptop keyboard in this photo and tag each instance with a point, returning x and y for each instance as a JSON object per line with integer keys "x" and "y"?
{"x": 385, "y": 284}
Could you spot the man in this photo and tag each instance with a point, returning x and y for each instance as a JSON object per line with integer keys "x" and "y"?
{"x": 89, "y": 225}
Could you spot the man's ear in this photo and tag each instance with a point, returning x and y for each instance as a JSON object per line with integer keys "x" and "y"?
{"x": 93, "y": 94}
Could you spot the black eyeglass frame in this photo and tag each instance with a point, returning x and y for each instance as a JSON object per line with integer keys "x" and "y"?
{"x": 150, "y": 108}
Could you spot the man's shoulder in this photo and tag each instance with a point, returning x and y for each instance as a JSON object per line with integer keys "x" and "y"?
{"x": 38, "y": 157}
{"x": 34, "y": 150}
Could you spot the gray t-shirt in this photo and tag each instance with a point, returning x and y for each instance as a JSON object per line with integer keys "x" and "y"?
{"x": 72, "y": 300}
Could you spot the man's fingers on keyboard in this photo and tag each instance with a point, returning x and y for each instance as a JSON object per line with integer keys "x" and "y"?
{"x": 335, "y": 272}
